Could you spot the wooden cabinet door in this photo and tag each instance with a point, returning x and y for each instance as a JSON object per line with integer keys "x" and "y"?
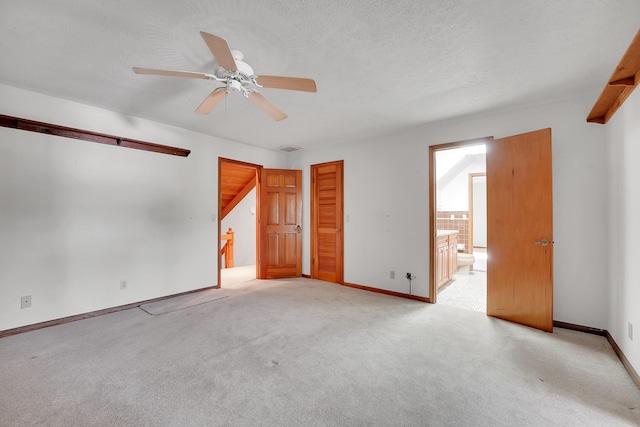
{"x": 442, "y": 261}
{"x": 519, "y": 229}
{"x": 453, "y": 255}
{"x": 280, "y": 238}
{"x": 327, "y": 222}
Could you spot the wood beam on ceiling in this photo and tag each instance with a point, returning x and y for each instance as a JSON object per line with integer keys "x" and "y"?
{"x": 629, "y": 81}
{"x": 621, "y": 83}
{"x": 85, "y": 135}
{"x": 238, "y": 198}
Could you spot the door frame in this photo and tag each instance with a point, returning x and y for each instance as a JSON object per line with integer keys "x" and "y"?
{"x": 314, "y": 220}
{"x": 470, "y": 216}
{"x": 258, "y": 169}
{"x": 433, "y": 203}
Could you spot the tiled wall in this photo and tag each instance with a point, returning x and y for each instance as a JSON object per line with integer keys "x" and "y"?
{"x": 444, "y": 222}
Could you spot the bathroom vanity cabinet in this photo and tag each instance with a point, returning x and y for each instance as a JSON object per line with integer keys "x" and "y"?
{"x": 446, "y": 259}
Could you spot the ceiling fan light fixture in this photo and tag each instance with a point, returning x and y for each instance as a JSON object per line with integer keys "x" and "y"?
{"x": 234, "y": 86}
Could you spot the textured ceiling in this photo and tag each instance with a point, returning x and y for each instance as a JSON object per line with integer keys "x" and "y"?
{"x": 380, "y": 66}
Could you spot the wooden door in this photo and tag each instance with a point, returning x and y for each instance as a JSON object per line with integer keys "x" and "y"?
{"x": 280, "y": 224}
{"x": 327, "y": 241}
{"x": 519, "y": 229}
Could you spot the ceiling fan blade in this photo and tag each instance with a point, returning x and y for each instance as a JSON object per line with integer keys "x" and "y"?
{"x": 267, "y": 106}
{"x": 211, "y": 101}
{"x": 171, "y": 73}
{"x": 290, "y": 83}
{"x": 220, "y": 50}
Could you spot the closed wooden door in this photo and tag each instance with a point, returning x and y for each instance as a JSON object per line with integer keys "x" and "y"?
{"x": 327, "y": 240}
{"x": 280, "y": 220}
{"x": 520, "y": 229}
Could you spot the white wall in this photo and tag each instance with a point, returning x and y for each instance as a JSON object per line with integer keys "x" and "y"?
{"x": 624, "y": 227}
{"x": 454, "y": 195}
{"x": 387, "y": 208}
{"x": 77, "y": 217}
{"x": 242, "y": 219}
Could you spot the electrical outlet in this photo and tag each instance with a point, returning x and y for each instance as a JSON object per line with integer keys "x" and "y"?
{"x": 25, "y": 302}
{"x": 123, "y": 285}
{"x": 392, "y": 274}
{"x": 630, "y": 330}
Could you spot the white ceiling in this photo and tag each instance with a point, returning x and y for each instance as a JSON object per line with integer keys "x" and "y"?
{"x": 381, "y": 66}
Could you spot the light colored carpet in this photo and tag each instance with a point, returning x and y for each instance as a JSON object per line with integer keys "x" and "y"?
{"x": 185, "y": 301}
{"x": 466, "y": 291}
{"x": 307, "y": 353}
{"x": 229, "y": 276}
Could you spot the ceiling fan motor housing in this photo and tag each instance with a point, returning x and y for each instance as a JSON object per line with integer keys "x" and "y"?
{"x": 240, "y": 80}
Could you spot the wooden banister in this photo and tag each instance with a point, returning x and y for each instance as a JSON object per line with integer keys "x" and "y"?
{"x": 227, "y": 249}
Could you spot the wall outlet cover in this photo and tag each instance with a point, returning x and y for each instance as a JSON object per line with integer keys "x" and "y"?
{"x": 25, "y": 302}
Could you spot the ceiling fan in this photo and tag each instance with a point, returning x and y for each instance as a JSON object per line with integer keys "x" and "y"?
{"x": 237, "y": 76}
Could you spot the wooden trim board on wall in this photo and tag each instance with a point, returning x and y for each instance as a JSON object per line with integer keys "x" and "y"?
{"x": 622, "y": 82}
{"x": 86, "y": 135}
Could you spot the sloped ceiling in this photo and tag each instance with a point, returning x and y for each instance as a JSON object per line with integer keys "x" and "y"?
{"x": 235, "y": 182}
{"x": 380, "y": 66}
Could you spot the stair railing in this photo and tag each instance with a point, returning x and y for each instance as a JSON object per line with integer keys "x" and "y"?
{"x": 227, "y": 249}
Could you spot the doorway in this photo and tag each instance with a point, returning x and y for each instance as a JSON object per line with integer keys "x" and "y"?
{"x": 276, "y": 218}
{"x": 460, "y": 222}
{"x": 237, "y": 221}
{"x": 519, "y": 229}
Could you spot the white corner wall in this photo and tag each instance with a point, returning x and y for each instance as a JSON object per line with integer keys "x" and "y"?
{"x": 455, "y": 195}
{"x": 387, "y": 208}
{"x": 623, "y": 131}
{"x": 77, "y": 217}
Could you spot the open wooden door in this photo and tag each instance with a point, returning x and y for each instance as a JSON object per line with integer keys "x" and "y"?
{"x": 280, "y": 211}
{"x": 327, "y": 240}
{"x": 520, "y": 229}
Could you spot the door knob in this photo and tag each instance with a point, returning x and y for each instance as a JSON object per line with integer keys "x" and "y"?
{"x": 298, "y": 229}
{"x": 543, "y": 242}
{"x": 338, "y": 230}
